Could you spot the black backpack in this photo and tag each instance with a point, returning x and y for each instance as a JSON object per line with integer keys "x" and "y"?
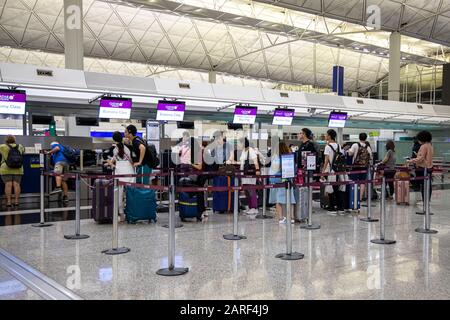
{"x": 70, "y": 154}
{"x": 15, "y": 158}
{"x": 151, "y": 155}
{"x": 338, "y": 164}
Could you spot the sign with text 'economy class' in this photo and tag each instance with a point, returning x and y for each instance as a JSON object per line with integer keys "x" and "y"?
{"x": 115, "y": 108}
{"x": 283, "y": 117}
{"x": 170, "y": 110}
{"x": 12, "y": 101}
{"x": 245, "y": 115}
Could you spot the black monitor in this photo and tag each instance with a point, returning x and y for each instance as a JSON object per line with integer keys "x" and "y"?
{"x": 89, "y": 122}
{"x": 185, "y": 125}
{"x": 234, "y": 126}
{"x": 38, "y": 119}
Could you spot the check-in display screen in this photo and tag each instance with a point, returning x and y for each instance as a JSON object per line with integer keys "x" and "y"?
{"x": 337, "y": 119}
{"x": 12, "y": 101}
{"x": 245, "y": 115}
{"x": 170, "y": 110}
{"x": 283, "y": 117}
{"x": 115, "y": 108}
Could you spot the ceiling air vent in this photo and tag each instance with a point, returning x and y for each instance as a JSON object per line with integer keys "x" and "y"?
{"x": 284, "y": 95}
{"x": 184, "y": 85}
{"x": 44, "y": 73}
{"x": 419, "y": 106}
{"x": 359, "y": 101}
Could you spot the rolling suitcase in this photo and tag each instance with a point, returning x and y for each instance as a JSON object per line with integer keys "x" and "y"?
{"x": 353, "y": 197}
{"x": 141, "y": 205}
{"x": 301, "y": 206}
{"x": 223, "y": 201}
{"x": 103, "y": 201}
{"x": 188, "y": 206}
{"x": 401, "y": 192}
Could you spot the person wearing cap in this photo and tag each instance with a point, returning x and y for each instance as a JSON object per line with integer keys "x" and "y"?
{"x": 61, "y": 167}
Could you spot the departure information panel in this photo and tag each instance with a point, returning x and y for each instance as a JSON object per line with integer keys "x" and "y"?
{"x": 12, "y": 101}
{"x": 170, "y": 110}
{"x": 245, "y": 115}
{"x": 115, "y": 108}
{"x": 283, "y": 117}
{"x": 337, "y": 119}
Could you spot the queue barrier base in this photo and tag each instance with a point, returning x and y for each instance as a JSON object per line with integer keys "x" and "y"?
{"x": 263, "y": 216}
{"x": 177, "y": 225}
{"x": 426, "y": 231}
{"x": 369, "y": 220}
{"x": 233, "y": 237}
{"x": 310, "y": 226}
{"x": 383, "y": 241}
{"x": 115, "y": 251}
{"x": 42, "y": 225}
{"x": 76, "y": 237}
{"x": 290, "y": 256}
{"x": 168, "y": 272}
{"x": 421, "y": 213}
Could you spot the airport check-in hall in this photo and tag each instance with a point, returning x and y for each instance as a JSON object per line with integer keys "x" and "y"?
{"x": 224, "y": 150}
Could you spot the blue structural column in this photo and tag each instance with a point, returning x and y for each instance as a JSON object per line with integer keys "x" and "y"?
{"x": 338, "y": 80}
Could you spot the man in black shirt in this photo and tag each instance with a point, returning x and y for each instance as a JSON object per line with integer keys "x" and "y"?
{"x": 138, "y": 150}
{"x": 307, "y": 145}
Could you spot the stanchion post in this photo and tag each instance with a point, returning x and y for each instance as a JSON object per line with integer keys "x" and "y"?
{"x": 77, "y": 235}
{"x": 289, "y": 255}
{"x": 310, "y": 225}
{"x": 171, "y": 270}
{"x": 427, "y": 189}
{"x": 264, "y": 208}
{"x": 369, "y": 197}
{"x": 42, "y": 222}
{"x": 426, "y": 202}
{"x": 235, "y": 235}
{"x": 382, "y": 239}
{"x": 115, "y": 238}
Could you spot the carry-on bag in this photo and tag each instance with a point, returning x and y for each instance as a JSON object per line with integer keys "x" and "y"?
{"x": 140, "y": 205}
{"x": 103, "y": 201}
{"x": 401, "y": 188}
{"x": 352, "y": 197}
{"x": 223, "y": 200}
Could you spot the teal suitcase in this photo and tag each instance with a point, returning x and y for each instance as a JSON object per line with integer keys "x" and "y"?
{"x": 140, "y": 205}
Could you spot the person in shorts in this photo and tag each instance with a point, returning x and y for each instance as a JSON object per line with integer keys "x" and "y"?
{"x": 61, "y": 167}
{"x": 11, "y": 176}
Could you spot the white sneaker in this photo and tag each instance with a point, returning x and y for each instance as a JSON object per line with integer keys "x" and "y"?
{"x": 282, "y": 221}
{"x": 419, "y": 203}
{"x": 254, "y": 211}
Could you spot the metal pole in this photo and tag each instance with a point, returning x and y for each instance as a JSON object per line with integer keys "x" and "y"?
{"x": 369, "y": 197}
{"x": 171, "y": 270}
{"x": 426, "y": 203}
{"x": 77, "y": 235}
{"x": 115, "y": 238}
{"x": 235, "y": 235}
{"x": 310, "y": 225}
{"x": 42, "y": 203}
{"x": 264, "y": 208}
{"x": 382, "y": 239}
{"x": 289, "y": 255}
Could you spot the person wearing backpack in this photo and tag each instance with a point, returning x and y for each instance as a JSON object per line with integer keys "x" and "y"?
{"x": 362, "y": 158}
{"x": 144, "y": 156}
{"x": 334, "y": 162}
{"x": 11, "y": 169}
{"x": 61, "y": 167}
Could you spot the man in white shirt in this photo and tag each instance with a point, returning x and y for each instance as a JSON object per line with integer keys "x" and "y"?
{"x": 362, "y": 158}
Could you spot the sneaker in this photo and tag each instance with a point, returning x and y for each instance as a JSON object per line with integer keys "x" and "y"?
{"x": 282, "y": 221}
{"x": 254, "y": 211}
{"x": 66, "y": 199}
{"x": 56, "y": 190}
{"x": 331, "y": 211}
{"x": 419, "y": 203}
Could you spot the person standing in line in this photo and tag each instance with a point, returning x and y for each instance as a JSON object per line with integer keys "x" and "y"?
{"x": 61, "y": 167}
{"x": 336, "y": 201}
{"x": 11, "y": 169}
{"x": 424, "y": 160}
{"x": 122, "y": 164}
{"x": 388, "y": 163}
{"x": 249, "y": 164}
{"x": 277, "y": 196}
{"x": 138, "y": 151}
{"x": 362, "y": 158}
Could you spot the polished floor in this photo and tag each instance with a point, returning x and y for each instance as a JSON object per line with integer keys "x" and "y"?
{"x": 340, "y": 262}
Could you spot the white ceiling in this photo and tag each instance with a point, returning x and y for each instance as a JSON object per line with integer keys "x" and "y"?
{"x": 121, "y": 32}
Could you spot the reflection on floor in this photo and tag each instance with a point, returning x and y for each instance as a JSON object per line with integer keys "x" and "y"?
{"x": 13, "y": 289}
{"x": 340, "y": 262}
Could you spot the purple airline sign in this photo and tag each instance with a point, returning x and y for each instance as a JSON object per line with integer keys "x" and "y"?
{"x": 113, "y": 103}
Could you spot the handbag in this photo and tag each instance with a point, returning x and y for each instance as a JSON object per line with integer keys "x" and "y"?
{"x": 227, "y": 170}
{"x": 249, "y": 168}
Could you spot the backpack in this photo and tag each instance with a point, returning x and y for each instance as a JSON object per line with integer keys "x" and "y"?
{"x": 338, "y": 164}
{"x": 151, "y": 156}
{"x": 362, "y": 157}
{"x": 15, "y": 158}
{"x": 70, "y": 154}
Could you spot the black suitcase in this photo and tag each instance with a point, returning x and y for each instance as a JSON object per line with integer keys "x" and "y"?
{"x": 103, "y": 201}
